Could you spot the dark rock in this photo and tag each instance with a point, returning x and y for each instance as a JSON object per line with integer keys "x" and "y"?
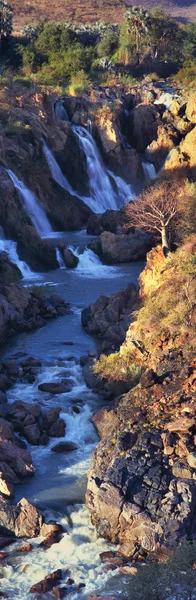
{"x": 51, "y": 416}
{"x": 59, "y": 592}
{"x": 55, "y": 388}
{"x": 57, "y": 429}
{"x": 71, "y": 261}
{"x": 32, "y": 434}
{"x": 110, "y": 316}
{"x": 64, "y": 447}
{"x": 51, "y": 538}
{"x": 47, "y": 584}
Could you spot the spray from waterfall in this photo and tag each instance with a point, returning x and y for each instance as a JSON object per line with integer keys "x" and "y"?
{"x": 31, "y": 205}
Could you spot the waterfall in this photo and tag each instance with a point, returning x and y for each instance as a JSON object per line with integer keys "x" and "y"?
{"x": 60, "y": 111}
{"x": 56, "y": 172}
{"x": 60, "y": 259}
{"x": 10, "y": 247}
{"x": 149, "y": 170}
{"x": 107, "y": 190}
{"x": 32, "y": 207}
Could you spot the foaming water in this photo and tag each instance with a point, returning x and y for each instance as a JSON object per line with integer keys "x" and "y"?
{"x": 77, "y": 554}
{"x": 10, "y": 247}
{"x": 60, "y": 259}
{"x": 91, "y": 266}
{"x": 31, "y": 205}
{"x": 149, "y": 171}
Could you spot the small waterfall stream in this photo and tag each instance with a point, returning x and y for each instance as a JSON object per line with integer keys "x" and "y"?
{"x": 149, "y": 171}
{"x": 10, "y": 247}
{"x": 31, "y": 205}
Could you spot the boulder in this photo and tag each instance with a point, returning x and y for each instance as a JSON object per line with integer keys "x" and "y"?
{"x": 32, "y": 433}
{"x": 28, "y": 520}
{"x": 47, "y": 584}
{"x": 71, "y": 261}
{"x": 104, "y": 422}
{"x": 57, "y": 429}
{"x": 110, "y": 316}
{"x": 55, "y": 388}
{"x": 116, "y": 249}
{"x": 65, "y": 447}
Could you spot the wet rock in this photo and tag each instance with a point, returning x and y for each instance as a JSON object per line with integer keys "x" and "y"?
{"x": 51, "y": 416}
{"x": 80, "y": 587}
{"x": 11, "y": 368}
{"x": 32, "y": 434}
{"x": 47, "y": 584}
{"x": 50, "y": 529}
{"x": 70, "y": 581}
{"x": 28, "y": 521}
{"x": 71, "y": 261}
{"x": 6, "y": 541}
{"x": 65, "y": 447}
{"x": 76, "y": 410}
{"x": 191, "y": 459}
{"x": 57, "y": 429}
{"x": 106, "y": 556}
{"x": 55, "y": 388}
{"x": 25, "y": 548}
{"x": 52, "y": 538}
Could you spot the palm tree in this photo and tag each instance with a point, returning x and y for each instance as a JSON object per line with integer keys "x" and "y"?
{"x": 138, "y": 20}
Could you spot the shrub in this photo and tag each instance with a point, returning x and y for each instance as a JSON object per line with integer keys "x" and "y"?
{"x": 118, "y": 367}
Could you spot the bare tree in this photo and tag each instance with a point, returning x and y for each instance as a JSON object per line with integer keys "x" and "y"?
{"x": 157, "y": 210}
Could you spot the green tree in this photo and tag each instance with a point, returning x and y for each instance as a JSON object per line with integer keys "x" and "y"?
{"x": 189, "y": 49}
{"x": 166, "y": 37}
{"x": 137, "y": 20}
{"x": 108, "y": 44}
{"x": 6, "y": 12}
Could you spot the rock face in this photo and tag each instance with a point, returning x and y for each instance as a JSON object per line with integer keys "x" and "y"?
{"x": 21, "y": 310}
{"x": 142, "y": 480}
{"x": 110, "y": 316}
{"x": 142, "y": 126}
{"x": 116, "y": 249}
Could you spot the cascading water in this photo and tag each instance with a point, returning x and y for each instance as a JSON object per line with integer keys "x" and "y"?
{"x": 149, "y": 170}
{"x": 106, "y": 189}
{"x": 60, "y": 259}
{"x": 60, "y": 111}
{"x": 32, "y": 207}
{"x": 56, "y": 171}
{"x": 10, "y": 247}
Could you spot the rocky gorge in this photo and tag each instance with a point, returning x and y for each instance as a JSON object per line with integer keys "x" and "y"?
{"x": 81, "y": 160}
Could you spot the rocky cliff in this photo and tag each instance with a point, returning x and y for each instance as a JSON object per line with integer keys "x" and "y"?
{"x": 141, "y": 484}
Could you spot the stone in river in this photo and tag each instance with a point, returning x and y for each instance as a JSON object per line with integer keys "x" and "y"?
{"x": 55, "y": 388}
{"x": 47, "y": 584}
{"x": 64, "y": 447}
{"x": 57, "y": 429}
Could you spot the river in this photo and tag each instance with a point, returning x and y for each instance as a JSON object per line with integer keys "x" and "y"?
{"x": 58, "y": 487}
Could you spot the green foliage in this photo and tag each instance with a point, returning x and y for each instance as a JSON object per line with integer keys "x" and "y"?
{"x": 187, "y": 74}
{"x": 190, "y": 41}
{"x": 108, "y": 44}
{"x": 79, "y": 83}
{"x": 118, "y": 367}
{"x": 53, "y": 38}
{"x": 6, "y": 12}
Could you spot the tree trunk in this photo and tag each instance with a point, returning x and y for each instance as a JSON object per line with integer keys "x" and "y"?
{"x": 165, "y": 241}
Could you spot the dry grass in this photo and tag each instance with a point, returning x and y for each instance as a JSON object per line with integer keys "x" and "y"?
{"x": 88, "y": 11}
